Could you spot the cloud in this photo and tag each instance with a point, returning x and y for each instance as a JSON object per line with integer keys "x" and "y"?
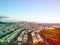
{"x": 3, "y": 17}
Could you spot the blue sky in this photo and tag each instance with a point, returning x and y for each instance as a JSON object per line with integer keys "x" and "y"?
{"x": 32, "y": 10}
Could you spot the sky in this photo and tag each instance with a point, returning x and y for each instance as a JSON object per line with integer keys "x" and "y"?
{"x": 45, "y": 11}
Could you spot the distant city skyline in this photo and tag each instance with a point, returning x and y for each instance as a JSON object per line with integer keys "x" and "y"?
{"x": 44, "y": 11}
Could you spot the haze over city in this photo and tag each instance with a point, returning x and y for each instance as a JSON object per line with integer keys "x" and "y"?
{"x": 45, "y": 11}
{"x": 29, "y": 22}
